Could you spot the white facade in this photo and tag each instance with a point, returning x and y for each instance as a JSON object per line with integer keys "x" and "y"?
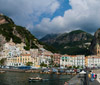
{"x": 11, "y": 50}
{"x": 80, "y": 60}
{"x": 93, "y": 62}
{"x": 67, "y": 60}
{"x": 34, "y": 52}
{"x": 45, "y": 58}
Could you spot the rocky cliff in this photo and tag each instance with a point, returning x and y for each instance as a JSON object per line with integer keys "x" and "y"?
{"x": 19, "y": 34}
{"x": 95, "y": 44}
{"x": 75, "y": 42}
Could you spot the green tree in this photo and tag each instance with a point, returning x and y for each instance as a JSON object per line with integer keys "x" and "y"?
{"x": 78, "y": 67}
{"x": 56, "y": 65}
{"x": 51, "y": 62}
{"x": 74, "y": 67}
{"x": 29, "y": 64}
{"x": 43, "y": 64}
{"x": 70, "y": 67}
{"x": 2, "y": 61}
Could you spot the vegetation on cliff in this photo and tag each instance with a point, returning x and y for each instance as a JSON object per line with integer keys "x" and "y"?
{"x": 75, "y": 42}
{"x": 19, "y": 34}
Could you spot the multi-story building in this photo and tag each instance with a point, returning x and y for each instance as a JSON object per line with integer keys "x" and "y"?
{"x": 36, "y": 61}
{"x": 46, "y": 59}
{"x": 11, "y": 49}
{"x": 93, "y": 61}
{"x": 65, "y": 60}
{"x": 34, "y": 52}
{"x": 81, "y": 60}
{"x": 56, "y": 59}
{"x": 77, "y": 60}
{"x": 19, "y": 60}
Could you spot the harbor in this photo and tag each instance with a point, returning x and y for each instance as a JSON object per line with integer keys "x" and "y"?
{"x": 21, "y": 78}
{"x": 83, "y": 79}
{"x": 30, "y": 77}
{"x": 49, "y": 42}
{"x": 56, "y": 71}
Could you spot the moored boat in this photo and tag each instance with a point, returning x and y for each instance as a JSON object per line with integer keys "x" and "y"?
{"x": 2, "y": 71}
{"x": 35, "y": 79}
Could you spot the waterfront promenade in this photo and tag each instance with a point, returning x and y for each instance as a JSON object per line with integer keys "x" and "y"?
{"x": 98, "y": 74}
{"x": 76, "y": 81}
{"x": 84, "y": 81}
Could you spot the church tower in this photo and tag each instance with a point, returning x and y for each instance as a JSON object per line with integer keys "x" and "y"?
{"x": 98, "y": 49}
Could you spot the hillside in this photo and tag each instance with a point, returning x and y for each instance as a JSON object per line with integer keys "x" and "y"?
{"x": 18, "y": 34}
{"x": 95, "y": 44}
{"x": 49, "y": 38}
{"x": 75, "y": 42}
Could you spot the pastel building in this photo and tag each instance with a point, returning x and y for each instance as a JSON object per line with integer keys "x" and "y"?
{"x": 93, "y": 61}
{"x": 36, "y": 61}
{"x": 56, "y": 59}
{"x": 19, "y": 60}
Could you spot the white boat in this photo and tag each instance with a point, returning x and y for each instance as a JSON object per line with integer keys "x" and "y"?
{"x": 35, "y": 79}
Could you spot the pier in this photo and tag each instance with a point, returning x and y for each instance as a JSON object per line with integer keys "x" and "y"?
{"x": 85, "y": 80}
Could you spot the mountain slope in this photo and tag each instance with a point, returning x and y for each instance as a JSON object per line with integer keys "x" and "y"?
{"x": 75, "y": 42}
{"x": 49, "y": 38}
{"x": 19, "y": 34}
{"x": 95, "y": 44}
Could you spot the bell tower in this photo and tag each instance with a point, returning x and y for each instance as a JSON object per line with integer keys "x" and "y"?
{"x": 98, "y": 49}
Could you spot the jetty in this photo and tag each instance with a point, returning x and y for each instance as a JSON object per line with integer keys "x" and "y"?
{"x": 76, "y": 80}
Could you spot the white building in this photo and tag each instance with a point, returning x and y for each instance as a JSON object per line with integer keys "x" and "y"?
{"x": 68, "y": 60}
{"x": 34, "y": 52}
{"x": 80, "y": 60}
{"x": 11, "y": 49}
{"x": 46, "y": 59}
{"x": 65, "y": 61}
{"x": 93, "y": 61}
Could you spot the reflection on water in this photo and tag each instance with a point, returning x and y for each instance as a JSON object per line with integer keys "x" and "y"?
{"x": 16, "y": 78}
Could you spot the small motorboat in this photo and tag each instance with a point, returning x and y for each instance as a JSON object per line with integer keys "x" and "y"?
{"x": 35, "y": 79}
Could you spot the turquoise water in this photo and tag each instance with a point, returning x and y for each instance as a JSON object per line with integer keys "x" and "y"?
{"x": 18, "y": 78}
